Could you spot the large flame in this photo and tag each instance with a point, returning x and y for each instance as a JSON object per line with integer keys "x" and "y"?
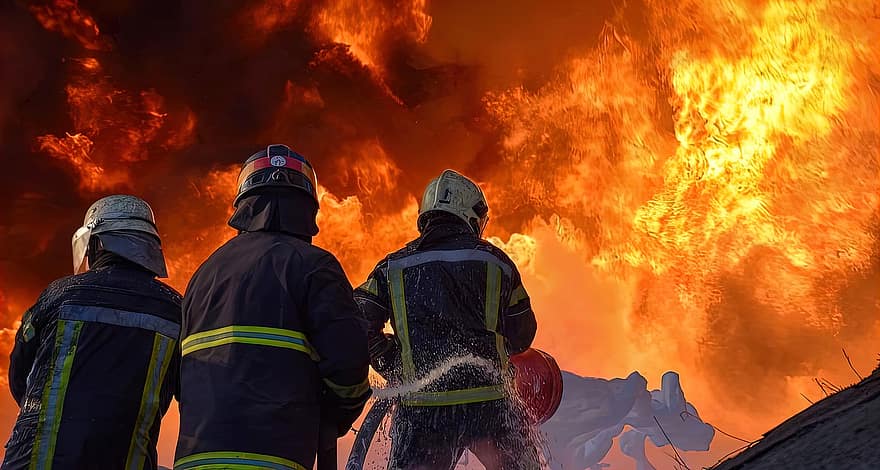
{"x": 697, "y": 190}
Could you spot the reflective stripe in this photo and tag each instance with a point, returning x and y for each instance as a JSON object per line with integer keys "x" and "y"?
{"x": 112, "y": 316}
{"x": 494, "y": 270}
{"x": 401, "y": 329}
{"x": 66, "y": 338}
{"x": 235, "y": 460}
{"x": 27, "y": 327}
{"x": 258, "y": 335}
{"x": 370, "y": 286}
{"x": 480, "y": 394}
{"x": 518, "y": 295}
{"x": 348, "y": 391}
{"x": 455, "y": 397}
{"x": 448, "y": 256}
{"x": 163, "y": 349}
{"x": 493, "y": 300}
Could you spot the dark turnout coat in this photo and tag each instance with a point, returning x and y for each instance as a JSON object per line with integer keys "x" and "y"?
{"x": 94, "y": 368}
{"x": 448, "y": 294}
{"x": 454, "y": 301}
{"x": 272, "y": 348}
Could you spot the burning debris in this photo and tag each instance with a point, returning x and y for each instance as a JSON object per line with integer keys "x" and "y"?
{"x": 595, "y": 411}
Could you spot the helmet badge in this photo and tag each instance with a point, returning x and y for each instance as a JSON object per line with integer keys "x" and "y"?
{"x": 278, "y": 160}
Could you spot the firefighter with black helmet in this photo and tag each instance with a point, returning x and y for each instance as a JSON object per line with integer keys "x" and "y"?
{"x": 274, "y": 352}
{"x": 453, "y": 299}
{"x": 95, "y": 361}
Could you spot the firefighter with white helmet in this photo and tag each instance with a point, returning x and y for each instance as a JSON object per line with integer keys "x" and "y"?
{"x": 130, "y": 232}
{"x": 453, "y": 193}
{"x": 94, "y": 365}
{"x": 450, "y": 294}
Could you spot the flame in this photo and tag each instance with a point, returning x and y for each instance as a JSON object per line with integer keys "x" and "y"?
{"x": 762, "y": 203}
{"x": 700, "y": 191}
{"x": 114, "y": 128}
{"x": 269, "y": 16}
{"x": 356, "y": 236}
{"x": 66, "y": 17}
{"x": 364, "y": 25}
{"x": 76, "y": 150}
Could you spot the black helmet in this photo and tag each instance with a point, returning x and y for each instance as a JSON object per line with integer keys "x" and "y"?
{"x": 277, "y": 166}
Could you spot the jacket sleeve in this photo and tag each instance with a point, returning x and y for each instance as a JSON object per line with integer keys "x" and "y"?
{"x": 518, "y": 321}
{"x": 24, "y": 351}
{"x": 336, "y": 332}
{"x": 375, "y": 307}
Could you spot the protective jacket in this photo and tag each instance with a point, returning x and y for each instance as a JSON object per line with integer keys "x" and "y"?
{"x": 448, "y": 294}
{"x": 94, "y": 368}
{"x": 273, "y": 348}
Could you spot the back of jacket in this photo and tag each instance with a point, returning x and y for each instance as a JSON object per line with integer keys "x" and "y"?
{"x": 94, "y": 369}
{"x": 270, "y": 329}
{"x": 450, "y": 296}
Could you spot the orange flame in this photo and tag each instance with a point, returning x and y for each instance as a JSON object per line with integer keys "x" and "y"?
{"x": 702, "y": 196}
{"x": 66, "y": 17}
{"x": 114, "y": 128}
{"x": 365, "y": 25}
{"x": 758, "y": 203}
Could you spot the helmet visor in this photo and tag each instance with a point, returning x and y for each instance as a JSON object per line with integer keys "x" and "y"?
{"x": 80, "y": 244}
{"x": 482, "y": 222}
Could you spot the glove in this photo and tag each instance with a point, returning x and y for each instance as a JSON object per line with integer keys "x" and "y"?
{"x": 385, "y": 356}
{"x": 339, "y": 412}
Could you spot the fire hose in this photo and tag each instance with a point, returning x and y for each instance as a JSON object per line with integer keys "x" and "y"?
{"x": 537, "y": 384}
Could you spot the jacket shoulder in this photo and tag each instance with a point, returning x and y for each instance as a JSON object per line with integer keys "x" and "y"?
{"x": 167, "y": 291}
{"x": 382, "y": 265}
{"x": 498, "y": 253}
{"x": 54, "y": 292}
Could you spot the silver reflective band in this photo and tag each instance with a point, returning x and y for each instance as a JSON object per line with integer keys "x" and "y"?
{"x": 448, "y": 256}
{"x": 112, "y": 316}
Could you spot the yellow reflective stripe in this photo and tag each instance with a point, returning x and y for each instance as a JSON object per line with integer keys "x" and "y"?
{"x": 493, "y": 299}
{"x": 244, "y": 329}
{"x": 232, "y": 466}
{"x": 370, "y": 286}
{"x": 235, "y": 460}
{"x": 66, "y": 339}
{"x": 348, "y": 391}
{"x": 517, "y": 296}
{"x": 398, "y": 305}
{"x": 138, "y": 448}
{"x": 256, "y": 335}
{"x": 255, "y": 341}
{"x": 455, "y": 397}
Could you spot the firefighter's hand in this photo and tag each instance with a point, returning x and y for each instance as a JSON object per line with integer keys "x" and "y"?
{"x": 341, "y": 412}
{"x": 385, "y": 356}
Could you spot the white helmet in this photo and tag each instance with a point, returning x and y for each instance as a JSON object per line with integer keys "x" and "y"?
{"x": 454, "y": 193}
{"x": 121, "y": 214}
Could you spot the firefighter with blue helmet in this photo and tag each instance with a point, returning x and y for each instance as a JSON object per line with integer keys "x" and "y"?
{"x": 274, "y": 353}
{"x": 456, "y": 302}
{"x": 95, "y": 361}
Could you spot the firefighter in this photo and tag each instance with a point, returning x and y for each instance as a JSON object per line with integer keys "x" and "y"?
{"x": 451, "y": 295}
{"x": 94, "y": 365}
{"x": 275, "y": 358}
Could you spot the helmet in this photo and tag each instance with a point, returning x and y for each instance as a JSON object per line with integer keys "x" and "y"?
{"x": 454, "y": 193}
{"x": 121, "y": 214}
{"x": 277, "y": 166}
